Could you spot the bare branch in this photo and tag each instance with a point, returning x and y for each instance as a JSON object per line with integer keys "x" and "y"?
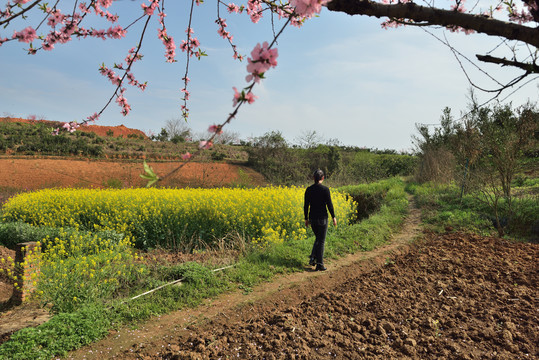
{"x": 20, "y": 13}
{"x": 528, "y": 67}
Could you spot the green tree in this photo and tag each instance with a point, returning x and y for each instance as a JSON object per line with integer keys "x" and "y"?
{"x": 489, "y": 142}
{"x": 505, "y": 135}
{"x": 272, "y": 157}
{"x": 436, "y": 160}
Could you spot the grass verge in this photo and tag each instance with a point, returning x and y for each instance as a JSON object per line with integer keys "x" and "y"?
{"x": 443, "y": 209}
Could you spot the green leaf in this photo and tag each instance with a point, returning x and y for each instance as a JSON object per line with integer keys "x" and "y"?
{"x": 150, "y": 183}
{"x": 149, "y": 175}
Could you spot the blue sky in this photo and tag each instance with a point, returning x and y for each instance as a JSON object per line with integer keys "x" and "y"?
{"x": 344, "y": 77}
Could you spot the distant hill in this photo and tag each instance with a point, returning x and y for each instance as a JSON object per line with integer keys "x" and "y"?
{"x": 100, "y": 130}
{"x": 32, "y": 158}
{"x": 27, "y": 137}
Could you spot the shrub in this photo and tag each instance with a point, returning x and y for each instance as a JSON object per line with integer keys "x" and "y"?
{"x": 217, "y": 156}
{"x": 38, "y": 139}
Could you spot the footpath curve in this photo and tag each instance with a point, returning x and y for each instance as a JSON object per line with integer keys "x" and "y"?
{"x": 283, "y": 291}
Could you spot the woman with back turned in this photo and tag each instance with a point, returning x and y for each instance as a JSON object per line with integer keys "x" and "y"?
{"x": 316, "y": 206}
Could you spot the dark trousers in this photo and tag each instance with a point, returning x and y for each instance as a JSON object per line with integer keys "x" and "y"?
{"x": 320, "y": 228}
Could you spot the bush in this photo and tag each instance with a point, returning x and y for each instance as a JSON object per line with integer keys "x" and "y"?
{"x": 443, "y": 208}
{"x": 38, "y": 139}
{"x": 217, "y": 156}
{"x": 370, "y": 197}
{"x": 525, "y": 220}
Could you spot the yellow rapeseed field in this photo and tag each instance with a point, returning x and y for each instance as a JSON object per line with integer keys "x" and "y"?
{"x": 166, "y": 216}
{"x": 78, "y": 267}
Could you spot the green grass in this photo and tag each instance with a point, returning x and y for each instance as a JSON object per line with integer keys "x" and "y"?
{"x": 442, "y": 208}
{"x": 59, "y": 335}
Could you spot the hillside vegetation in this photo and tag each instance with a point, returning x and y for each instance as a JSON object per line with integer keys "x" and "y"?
{"x": 36, "y": 138}
{"x": 280, "y": 162}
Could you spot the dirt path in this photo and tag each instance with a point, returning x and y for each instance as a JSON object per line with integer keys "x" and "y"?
{"x": 450, "y": 296}
{"x": 156, "y": 335}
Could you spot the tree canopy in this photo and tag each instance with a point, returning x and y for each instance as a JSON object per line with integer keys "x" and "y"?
{"x": 45, "y": 26}
{"x": 514, "y": 22}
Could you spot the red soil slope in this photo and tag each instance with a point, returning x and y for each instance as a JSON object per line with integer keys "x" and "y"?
{"x": 98, "y": 129}
{"x": 38, "y": 173}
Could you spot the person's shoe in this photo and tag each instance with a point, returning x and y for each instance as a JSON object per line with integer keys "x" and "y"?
{"x": 320, "y": 267}
{"x": 312, "y": 261}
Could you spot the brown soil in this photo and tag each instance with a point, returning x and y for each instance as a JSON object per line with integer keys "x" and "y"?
{"x": 32, "y": 174}
{"x": 455, "y": 295}
{"x": 117, "y": 131}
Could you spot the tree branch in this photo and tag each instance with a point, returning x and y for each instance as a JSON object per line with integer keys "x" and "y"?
{"x": 434, "y": 16}
{"x": 528, "y": 67}
{"x": 533, "y": 7}
{"x": 20, "y": 13}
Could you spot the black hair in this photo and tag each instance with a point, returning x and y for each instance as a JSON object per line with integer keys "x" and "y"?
{"x": 318, "y": 175}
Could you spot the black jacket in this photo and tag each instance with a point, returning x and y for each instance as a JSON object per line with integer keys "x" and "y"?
{"x": 318, "y": 202}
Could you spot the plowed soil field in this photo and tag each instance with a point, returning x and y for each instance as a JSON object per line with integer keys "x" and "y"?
{"x": 449, "y": 296}
{"x": 453, "y": 297}
{"x": 31, "y": 174}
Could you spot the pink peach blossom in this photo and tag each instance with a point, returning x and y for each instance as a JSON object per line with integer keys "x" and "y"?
{"x": 205, "y": 145}
{"x": 250, "y": 97}
{"x": 26, "y": 35}
{"x": 215, "y": 129}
